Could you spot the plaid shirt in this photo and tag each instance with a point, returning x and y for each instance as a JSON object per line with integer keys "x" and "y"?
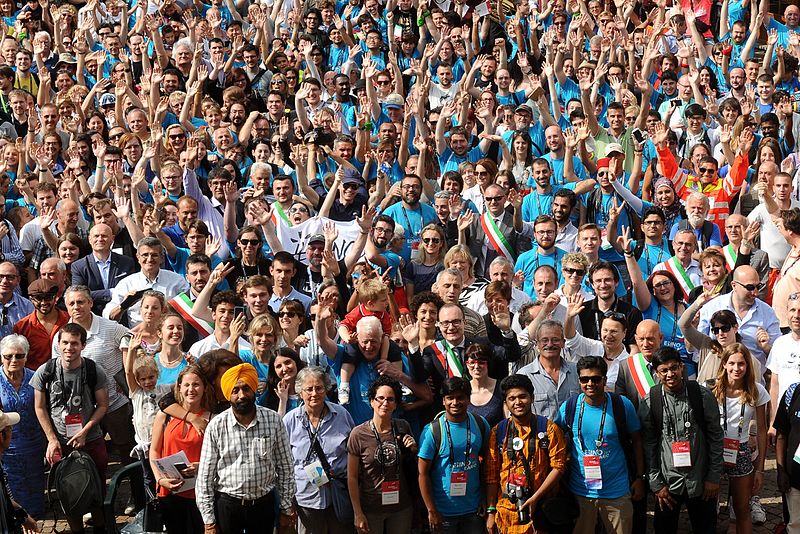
{"x": 41, "y": 251}
{"x": 245, "y": 463}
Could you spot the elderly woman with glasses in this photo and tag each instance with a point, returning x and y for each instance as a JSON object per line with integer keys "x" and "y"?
{"x": 22, "y": 461}
{"x": 381, "y": 489}
{"x": 318, "y": 432}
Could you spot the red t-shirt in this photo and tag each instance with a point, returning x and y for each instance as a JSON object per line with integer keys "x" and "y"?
{"x": 351, "y": 319}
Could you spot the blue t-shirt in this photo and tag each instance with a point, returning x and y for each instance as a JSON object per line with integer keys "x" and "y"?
{"x": 612, "y": 455}
{"x": 169, "y": 375}
{"x": 529, "y": 261}
{"x": 715, "y": 241}
{"x": 449, "y": 160}
{"x": 443, "y": 464}
{"x": 262, "y": 368}
{"x": 535, "y": 204}
{"x": 673, "y": 337}
{"x": 651, "y": 256}
{"x": 412, "y": 221}
{"x": 557, "y": 178}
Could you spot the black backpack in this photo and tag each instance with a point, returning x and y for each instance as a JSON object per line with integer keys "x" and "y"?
{"x": 437, "y": 428}
{"x": 618, "y": 410}
{"x": 89, "y": 370}
{"x": 708, "y": 231}
{"x": 76, "y": 484}
{"x": 695, "y": 403}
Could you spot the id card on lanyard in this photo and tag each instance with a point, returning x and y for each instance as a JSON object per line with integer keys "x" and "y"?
{"x": 730, "y": 446}
{"x": 458, "y": 479}
{"x": 592, "y": 471}
{"x": 681, "y": 449}
{"x": 390, "y": 487}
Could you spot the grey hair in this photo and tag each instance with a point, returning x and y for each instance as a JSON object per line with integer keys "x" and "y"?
{"x": 503, "y": 262}
{"x": 151, "y": 242}
{"x": 549, "y": 323}
{"x": 312, "y": 372}
{"x": 697, "y": 195}
{"x": 79, "y": 289}
{"x": 258, "y": 166}
{"x": 451, "y": 271}
{"x": 443, "y": 194}
{"x": 15, "y": 340}
{"x": 60, "y": 265}
{"x": 181, "y": 43}
{"x": 369, "y": 323}
{"x": 687, "y": 231}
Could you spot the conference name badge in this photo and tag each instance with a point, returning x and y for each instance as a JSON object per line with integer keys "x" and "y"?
{"x": 730, "y": 451}
{"x": 681, "y": 454}
{"x": 458, "y": 483}
{"x": 73, "y": 423}
{"x": 390, "y": 492}
{"x": 316, "y": 474}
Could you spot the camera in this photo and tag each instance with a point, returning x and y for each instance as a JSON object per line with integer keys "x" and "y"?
{"x": 520, "y": 495}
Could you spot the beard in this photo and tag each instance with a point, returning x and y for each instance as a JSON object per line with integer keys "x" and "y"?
{"x": 696, "y": 220}
{"x": 244, "y": 406}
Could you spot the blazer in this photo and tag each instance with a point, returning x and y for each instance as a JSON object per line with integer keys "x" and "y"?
{"x": 85, "y": 272}
{"x": 477, "y": 238}
{"x": 625, "y": 384}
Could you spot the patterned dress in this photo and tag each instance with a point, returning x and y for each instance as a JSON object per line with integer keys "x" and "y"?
{"x": 23, "y": 462}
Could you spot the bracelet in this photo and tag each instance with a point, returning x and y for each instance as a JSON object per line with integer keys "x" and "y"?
{"x": 627, "y": 253}
{"x": 101, "y": 166}
{"x": 491, "y": 509}
{"x": 363, "y": 233}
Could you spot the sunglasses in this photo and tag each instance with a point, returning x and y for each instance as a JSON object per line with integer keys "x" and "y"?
{"x": 253, "y": 242}
{"x": 177, "y": 137}
{"x": 594, "y": 379}
{"x": 429, "y": 240}
{"x": 615, "y": 315}
{"x": 352, "y": 187}
{"x": 289, "y": 314}
{"x": 383, "y": 82}
{"x": 570, "y": 270}
{"x": 14, "y": 356}
{"x": 494, "y": 199}
{"x": 707, "y": 170}
{"x": 751, "y": 287}
{"x": 479, "y": 363}
{"x": 717, "y": 329}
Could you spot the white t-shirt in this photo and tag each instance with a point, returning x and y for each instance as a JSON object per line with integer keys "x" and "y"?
{"x": 772, "y": 242}
{"x": 784, "y": 360}
{"x": 734, "y": 412}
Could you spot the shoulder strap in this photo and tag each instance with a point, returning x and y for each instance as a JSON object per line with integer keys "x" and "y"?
{"x": 683, "y": 225}
{"x": 484, "y": 429}
{"x": 696, "y": 405}
{"x": 91, "y": 377}
{"x": 47, "y": 377}
{"x": 569, "y": 416}
{"x": 437, "y": 431}
{"x": 708, "y": 232}
{"x": 621, "y": 421}
{"x": 542, "y": 440}
{"x": 500, "y": 437}
{"x": 657, "y": 410}
{"x": 638, "y": 250}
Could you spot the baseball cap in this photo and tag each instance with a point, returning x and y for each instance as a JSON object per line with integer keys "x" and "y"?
{"x": 8, "y": 419}
{"x": 603, "y": 163}
{"x": 315, "y": 238}
{"x": 351, "y": 176}
{"x": 65, "y": 58}
{"x": 523, "y": 108}
{"x": 394, "y": 101}
{"x": 108, "y": 100}
{"x": 614, "y": 147}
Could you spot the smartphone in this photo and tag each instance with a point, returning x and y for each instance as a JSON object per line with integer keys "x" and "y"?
{"x": 639, "y": 135}
{"x": 673, "y": 103}
{"x": 181, "y": 467}
{"x": 239, "y": 310}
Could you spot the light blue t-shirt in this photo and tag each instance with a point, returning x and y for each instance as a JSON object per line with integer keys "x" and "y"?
{"x": 613, "y": 465}
{"x": 262, "y": 368}
{"x": 651, "y": 256}
{"x": 169, "y": 375}
{"x": 412, "y": 221}
{"x": 529, "y": 261}
{"x": 535, "y": 204}
{"x": 442, "y": 465}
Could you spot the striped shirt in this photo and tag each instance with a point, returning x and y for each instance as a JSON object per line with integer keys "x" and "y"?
{"x": 245, "y": 462}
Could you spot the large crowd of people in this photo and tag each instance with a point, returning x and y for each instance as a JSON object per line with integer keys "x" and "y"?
{"x": 451, "y": 266}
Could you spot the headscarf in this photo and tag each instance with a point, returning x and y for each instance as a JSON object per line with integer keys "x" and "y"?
{"x": 244, "y": 372}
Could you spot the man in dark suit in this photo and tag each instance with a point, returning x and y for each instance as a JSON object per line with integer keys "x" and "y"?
{"x": 484, "y": 234}
{"x": 636, "y": 373}
{"x": 102, "y": 269}
{"x": 447, "y": 357}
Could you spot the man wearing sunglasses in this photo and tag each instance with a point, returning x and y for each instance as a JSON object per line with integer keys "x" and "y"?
{"x": 600, "y": 456}
{"x": 758, "y": 324}
{"x": 41, "y": 325}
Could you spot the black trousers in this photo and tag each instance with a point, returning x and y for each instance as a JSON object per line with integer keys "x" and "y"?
{"x": 702, "y": 515}
{"x": 233, "y": 517}
{"x": 181, "y": 515}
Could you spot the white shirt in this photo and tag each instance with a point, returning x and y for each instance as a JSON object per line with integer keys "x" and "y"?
{"x": 580, "y": 346}
{"x": 567, "y": 238}
{"x": 210, "y": 343}
{"x": 772, "y": 241}
{"x": 784, "y": 360}
{"x": 167, "y": 282}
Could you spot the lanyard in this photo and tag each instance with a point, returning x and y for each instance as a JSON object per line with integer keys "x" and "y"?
{"x": 598, "y": 313}
{"x": 673, "y": 418}
{"x": 312, "y": 437}
{"x": 450, "y": 443}
{"x": 414, "y": 234}
{"x": 382, "y": 454}
{"x": 725, "y": 415}
{"x": 674, "y": 319}
{"x": 599, "y": 441}
{"x": 660, "y": 256}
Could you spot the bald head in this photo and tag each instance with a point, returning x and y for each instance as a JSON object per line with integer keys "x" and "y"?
{"x": 648, "y": 337}
{"x": 745, "y": 274}
{"x": 745, "y": 287}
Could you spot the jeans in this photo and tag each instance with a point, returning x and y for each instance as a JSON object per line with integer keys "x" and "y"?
{"x": 463, "y": 524}
{"x": 702, "y": 514}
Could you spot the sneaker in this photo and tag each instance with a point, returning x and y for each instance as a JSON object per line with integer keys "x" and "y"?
{"x": 757, "y": 511}
{"x": 130, "y": 510}
{"x": 344, "y": 394}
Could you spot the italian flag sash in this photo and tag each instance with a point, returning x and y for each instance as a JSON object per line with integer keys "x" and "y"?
{"x": 183, "y": 305}
{"x": 280, "y": 213}
{"x": 640, "y": 374}
{"x": 448, "y": 359}
{"x": 730, "y": 256}
{"x": 674, "y": 266}
{"x": 499, "y": 242}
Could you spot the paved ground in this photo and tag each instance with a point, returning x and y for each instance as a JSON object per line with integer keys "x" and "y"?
{"x": 769, "y": 499}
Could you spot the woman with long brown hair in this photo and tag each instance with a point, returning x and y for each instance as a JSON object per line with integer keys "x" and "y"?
{"x": 741, "y": 400}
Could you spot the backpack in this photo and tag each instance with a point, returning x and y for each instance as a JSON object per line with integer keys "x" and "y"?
{"x": 89, "y": 370}
{"x": 638, "y": 250}
{"x": 437, "y": 429}
{"x": 541, "y": 434}
{"x": 695, "y": 403}
{"x": 76, "y": 484}
{"x": 618, "y": 410}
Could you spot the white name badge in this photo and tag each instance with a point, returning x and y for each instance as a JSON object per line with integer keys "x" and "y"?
{"x": 730, "y": 451}
{"x": 316, "y": 474}
{"x": 73, "y": 423}
{"x": 390, "y": 492}
{"x": 681, "y": 454}
{"x": 458, "y": 483}
{"x": 592, "y": 472}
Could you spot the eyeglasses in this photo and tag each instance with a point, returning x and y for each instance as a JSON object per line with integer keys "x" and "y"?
{"x": 9, "y": 357}
{"x": 571, "y": 270}
{"x": 545, "y": 232}
{"x": 380, "y": 399}
{"x": 674, "y": 369}
{"x": 298, "y": 209}
{"x": 447, "y": 324}
{"x": 654, "y": 222}
{"x": 429, "y": 240}
{"x": 314, "y": 389}
{"x": 750, "y": 287}
{"x": 289, "y": 314}
{"x": 594, "y": 379}
{"x": 410, "y": 187}
{"x": 478, "y": 363}
{"x": 276, "y": 82}
{"x": 251, "y": 242}
{"x": 707, "y": 170}
{"x": 724, "y": 328}
{"x": 663, "y": 284}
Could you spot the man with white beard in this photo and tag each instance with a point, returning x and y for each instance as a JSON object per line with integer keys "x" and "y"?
{"x": 706, "y": 232}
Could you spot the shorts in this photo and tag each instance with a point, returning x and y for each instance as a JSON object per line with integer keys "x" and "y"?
{"x": 744, "y": 463}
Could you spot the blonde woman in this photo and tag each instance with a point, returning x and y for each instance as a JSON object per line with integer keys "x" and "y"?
{"x": 574, "y": 267}
{"x": 421, "y": 271}
{"x": 741, "y": 400}
{"x": 459, "y": 258}
{"x": 264, "y": 335}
